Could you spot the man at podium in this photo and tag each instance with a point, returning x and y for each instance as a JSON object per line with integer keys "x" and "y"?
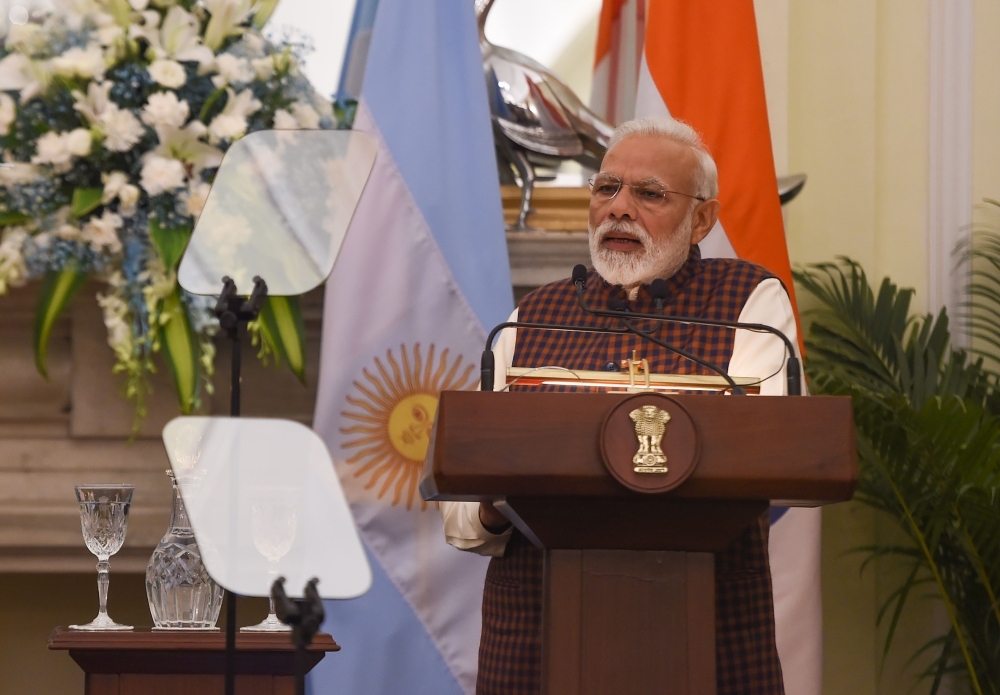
{"x": 653, "y": 201}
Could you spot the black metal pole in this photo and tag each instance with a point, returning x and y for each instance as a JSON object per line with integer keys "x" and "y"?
{"x": 234, "y": 411}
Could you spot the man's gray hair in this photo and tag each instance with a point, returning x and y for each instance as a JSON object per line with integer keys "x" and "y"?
{"x": 708, "y": 175}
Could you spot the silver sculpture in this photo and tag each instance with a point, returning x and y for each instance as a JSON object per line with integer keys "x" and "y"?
{"x": 539, "y": 121}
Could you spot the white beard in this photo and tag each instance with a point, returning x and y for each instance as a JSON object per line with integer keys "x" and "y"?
{"x": 639, "y": 268}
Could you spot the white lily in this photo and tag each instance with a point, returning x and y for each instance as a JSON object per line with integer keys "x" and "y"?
{"x": 8, "y": 113}
{"x": 30, "y": 77}
{"x": 227, "y": 16}
{"x": 231, "y": 124}
{"x": 184, "y": 144}
{"x": 87, "y": 63}
{"x": 121, "y": 129}
{"x": 176, "y": 39}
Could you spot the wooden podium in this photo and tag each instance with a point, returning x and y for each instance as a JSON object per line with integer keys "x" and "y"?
{"x": 629, "y": 590}
{"x": 169, "y": 662}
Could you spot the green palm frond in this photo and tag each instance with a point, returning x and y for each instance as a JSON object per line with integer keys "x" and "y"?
{"x": 928, "y": 439}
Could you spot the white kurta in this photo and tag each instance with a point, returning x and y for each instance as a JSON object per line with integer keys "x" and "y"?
{"x": 758, "y": 355}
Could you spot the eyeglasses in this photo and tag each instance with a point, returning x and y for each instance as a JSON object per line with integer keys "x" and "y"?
{"x": 604, "y": 187}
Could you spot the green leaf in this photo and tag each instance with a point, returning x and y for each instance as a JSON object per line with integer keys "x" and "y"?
{"x": 283, "y": 328}
{"x": 85, "y": 200}
{"x": 169, "y": 243}
{"x": 209, "y": 103}
{"x": 58, "y": 288}
{"x": 9, "y": 218}
{"x": 180, "y": 347}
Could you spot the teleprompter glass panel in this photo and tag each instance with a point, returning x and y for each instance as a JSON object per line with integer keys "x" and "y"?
{"x": 279, "y": 209}
{"x": 264, "y": 501}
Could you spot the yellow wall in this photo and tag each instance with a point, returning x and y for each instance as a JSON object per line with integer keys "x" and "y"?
{"x": 858, "y": 127}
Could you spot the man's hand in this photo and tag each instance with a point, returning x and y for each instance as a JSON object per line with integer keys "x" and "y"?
{"x": 494, "y": 522}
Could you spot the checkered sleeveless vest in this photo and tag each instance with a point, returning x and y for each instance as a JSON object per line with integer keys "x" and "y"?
{"x": 746, "y": 655}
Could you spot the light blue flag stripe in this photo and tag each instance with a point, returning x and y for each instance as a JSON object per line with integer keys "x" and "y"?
{"x": 425, "y": 87}
{"x": 379, "y": 628}
{"x": 354, "y": 54}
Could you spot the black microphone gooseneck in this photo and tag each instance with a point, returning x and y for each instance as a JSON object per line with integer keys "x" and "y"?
{"x": 737, "y": 390}
{"x": 658, "y": 290}
{"x": 487, "y": 363}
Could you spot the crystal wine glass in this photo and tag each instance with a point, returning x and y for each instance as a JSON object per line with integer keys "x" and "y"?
{"x": 274, "y": 525}
{"x": 104, "y": 518}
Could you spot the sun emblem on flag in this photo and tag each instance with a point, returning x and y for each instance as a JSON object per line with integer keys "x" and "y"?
{"x": 393, "y": 410}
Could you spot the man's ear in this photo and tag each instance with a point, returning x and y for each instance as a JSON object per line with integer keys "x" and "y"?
{"x": 705, "y": 215}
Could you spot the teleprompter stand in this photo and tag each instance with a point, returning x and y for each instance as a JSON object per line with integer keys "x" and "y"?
{"x": 233, "y": 313}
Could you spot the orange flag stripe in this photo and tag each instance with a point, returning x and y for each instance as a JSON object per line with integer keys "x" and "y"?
{"x": 705, "y": 61}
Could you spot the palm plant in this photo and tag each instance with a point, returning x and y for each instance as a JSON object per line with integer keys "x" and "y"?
{"x": 928, "y": 437}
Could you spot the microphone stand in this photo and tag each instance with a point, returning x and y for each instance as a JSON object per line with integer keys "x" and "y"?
{"x": 793, "y": 368}
{"x": 488, "y": 361}
{"x": 231, "y": 311}
{"x": 632, "y": 328}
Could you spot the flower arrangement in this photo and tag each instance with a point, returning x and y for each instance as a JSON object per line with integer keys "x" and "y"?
{"x": 114, "y": 116}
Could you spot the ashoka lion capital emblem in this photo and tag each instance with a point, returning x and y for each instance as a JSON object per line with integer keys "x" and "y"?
{"x": 650, "y": 424}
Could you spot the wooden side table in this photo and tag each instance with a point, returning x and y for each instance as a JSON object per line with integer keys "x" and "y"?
{"x": 148, "y": 662}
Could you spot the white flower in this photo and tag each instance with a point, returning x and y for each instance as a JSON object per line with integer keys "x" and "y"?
{"x": 30, "y": 77}
{"x": 8, "y": 113}
{"x": 17, "y": 173}
{"x": 264, "y": 67}
{"x": 78, "y": 142}
{"x": 168, "y": 73}
{"x": 177, "y": 38}
{"x": 52, "y": 148}
{"x": 306, "y": 115}
{"x": 66, "y": 231}
{"x": 195, "y": 197}
{"x": 254, "y": 43}
{"x": 128, "y": 198}
{"x": 116, "y": 185}
{"x": 95, "y": 103}
{"x": 86, "y": 63}
{"x": 283, "y": 120}
{"x": 113, "y": 182}
{"x": 227, "y": 16}
{"x": 184, "y": 144}
{"x": 115, "y": 320}
{"x": 101, "y": 232}
{"x": 160, "y": 174}
{"x": 165, "y": 109}
{"x": 13, "y": 270}
{"x": 231, "y": 69}
{"x": 231, "y": 124}
{"x": 122, "y": 130}
{"x": 29, "y": 38}
{"x": 138, "y": 5}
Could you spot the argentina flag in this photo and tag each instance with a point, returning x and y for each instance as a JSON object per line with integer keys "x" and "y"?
{"x": 421, "y": 276}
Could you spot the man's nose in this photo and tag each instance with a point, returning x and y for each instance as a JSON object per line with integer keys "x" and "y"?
{"x": 623, "y": 204}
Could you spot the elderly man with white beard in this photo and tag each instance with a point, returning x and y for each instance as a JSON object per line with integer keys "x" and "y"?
{"x": 653, "y": 201}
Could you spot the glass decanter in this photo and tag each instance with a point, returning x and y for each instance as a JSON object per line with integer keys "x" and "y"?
{"x": 180, "y": 591}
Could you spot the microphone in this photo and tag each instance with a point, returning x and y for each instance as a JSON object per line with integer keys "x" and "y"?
{"x": 487, "y": 363}
{"x": 658, "y": 290}
{"x": 618, "y": 306}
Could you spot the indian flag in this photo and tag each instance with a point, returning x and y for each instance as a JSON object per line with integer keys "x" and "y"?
{"x": 700, "y": 63}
